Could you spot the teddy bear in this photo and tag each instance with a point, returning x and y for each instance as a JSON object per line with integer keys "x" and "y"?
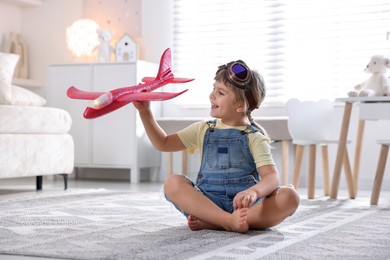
{"x": 379, "y": 83}
{"x": 104, "y": 51}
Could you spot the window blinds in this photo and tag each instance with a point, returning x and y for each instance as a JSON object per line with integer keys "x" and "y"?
{"x": 308, "y": 49}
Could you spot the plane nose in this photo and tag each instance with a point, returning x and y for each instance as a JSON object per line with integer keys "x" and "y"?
{"x": 89, "y": 113}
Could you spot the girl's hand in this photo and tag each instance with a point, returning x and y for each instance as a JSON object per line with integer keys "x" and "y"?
{"x": 244, "y": 199}
{"x": 142, "y": 105}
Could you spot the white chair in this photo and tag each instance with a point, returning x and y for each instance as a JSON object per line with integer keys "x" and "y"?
{"x": 380, "y": 170}
{"x": 309, "y": 124}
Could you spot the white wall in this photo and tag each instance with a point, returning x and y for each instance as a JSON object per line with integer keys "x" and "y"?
{"x": 44, "y": 30}
{"x": 10, "y": 20}
{"x": 157, "y": 28}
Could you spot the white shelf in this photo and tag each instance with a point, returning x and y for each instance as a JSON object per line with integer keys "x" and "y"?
{"x": 23, "y": 3}
{"x": 29, "y": 83}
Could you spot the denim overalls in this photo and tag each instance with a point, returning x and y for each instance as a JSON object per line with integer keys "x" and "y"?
{"x": 227, "y": 165}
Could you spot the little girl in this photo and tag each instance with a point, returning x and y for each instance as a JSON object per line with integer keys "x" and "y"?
{"x": 237, "y": 187}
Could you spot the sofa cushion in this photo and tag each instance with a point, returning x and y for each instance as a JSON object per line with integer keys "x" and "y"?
{"x": 33, "y": 120}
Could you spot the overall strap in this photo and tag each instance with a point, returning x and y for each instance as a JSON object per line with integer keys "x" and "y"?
{"x": 211, "y": 124}
{"x": 250, "y": 129}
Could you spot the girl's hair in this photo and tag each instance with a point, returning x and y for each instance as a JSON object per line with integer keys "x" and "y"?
{"x": 255, "y": 86}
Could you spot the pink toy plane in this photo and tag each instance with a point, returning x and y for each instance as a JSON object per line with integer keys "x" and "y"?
{"x": 106, "y": 102}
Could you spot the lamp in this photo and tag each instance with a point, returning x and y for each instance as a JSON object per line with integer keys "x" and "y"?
{"x": 81, "y": 37}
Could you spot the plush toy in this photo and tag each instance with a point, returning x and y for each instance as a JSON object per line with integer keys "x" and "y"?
{"x": 105, "y": 49}
{"x": 379, "y": 83}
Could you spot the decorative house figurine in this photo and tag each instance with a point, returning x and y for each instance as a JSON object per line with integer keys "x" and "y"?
{"x": 125, "y": 49}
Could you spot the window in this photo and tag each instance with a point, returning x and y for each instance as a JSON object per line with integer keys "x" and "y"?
{"x": 309, "y": 49}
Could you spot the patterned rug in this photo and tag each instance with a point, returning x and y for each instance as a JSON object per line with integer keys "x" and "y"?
{"x": 101, "y": 224}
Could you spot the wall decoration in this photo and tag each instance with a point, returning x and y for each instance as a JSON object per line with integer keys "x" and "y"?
{"x": 121, "y": 16}
{"x": 15, "y": 43}
{"x": 125, "y": 49}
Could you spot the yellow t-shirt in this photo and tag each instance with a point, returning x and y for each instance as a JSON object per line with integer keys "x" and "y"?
{"x": 259, "y": 145}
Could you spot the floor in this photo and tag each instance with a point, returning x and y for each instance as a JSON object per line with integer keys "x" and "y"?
{"x": 21, "y": 187}
{"x": 25, "y": 186}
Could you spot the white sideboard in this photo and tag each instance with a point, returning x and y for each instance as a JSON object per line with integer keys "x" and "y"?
{"x": 116, "y": 140}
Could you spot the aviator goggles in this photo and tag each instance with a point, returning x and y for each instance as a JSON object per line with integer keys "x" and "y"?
{"x": 239, "y": 75}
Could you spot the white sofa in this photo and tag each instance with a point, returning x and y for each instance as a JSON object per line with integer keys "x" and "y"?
{"x": 34, "y": 139}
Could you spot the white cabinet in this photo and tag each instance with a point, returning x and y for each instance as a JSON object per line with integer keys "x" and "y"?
{"x": 115, "y": 140}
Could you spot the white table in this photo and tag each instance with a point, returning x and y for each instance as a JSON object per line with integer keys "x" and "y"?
{"x": 371, "y": 108}
{"x": 276, "y": 126}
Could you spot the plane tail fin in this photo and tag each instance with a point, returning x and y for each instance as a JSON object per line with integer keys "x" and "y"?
{"x": 165, "y": 71}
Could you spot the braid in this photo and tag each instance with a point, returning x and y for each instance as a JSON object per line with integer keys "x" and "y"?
{"x": 262, "y": 130}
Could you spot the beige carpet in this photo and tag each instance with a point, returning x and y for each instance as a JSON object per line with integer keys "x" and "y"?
{"x": 101, "y": 224}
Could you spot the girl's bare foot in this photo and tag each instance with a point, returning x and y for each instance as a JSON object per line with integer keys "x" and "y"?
{"x": 196, "y": 224}
{"x": 237, "y": 221}
{"x": 193, "y": 223}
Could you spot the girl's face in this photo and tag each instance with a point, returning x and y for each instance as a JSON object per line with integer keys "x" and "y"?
{"x": 225, "y": 106}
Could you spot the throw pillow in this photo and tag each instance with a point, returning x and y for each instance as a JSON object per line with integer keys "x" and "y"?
{"x": 7, "y": 66}
{"x": 24, "y": 97}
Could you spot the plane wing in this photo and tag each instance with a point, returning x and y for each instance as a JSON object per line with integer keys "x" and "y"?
{"x": 149, "y": 96}
{"x": 90, "y": 112}
{"x": 172, "y": 80}
{"x": 76, "y": 93}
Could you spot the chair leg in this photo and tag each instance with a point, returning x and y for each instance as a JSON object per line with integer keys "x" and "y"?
{"x": 170, "y": 163}
{"x": 380, "y": 170}
{"x": 285, "y": 162}
{"x": 184, "y": 162}
{"x": 298, "y": 164}
{"x": 358, "y": 152}
{"x": 312, "y": 171}
{"x": 325, "y": 169}
{"x": 348, "y": 175}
